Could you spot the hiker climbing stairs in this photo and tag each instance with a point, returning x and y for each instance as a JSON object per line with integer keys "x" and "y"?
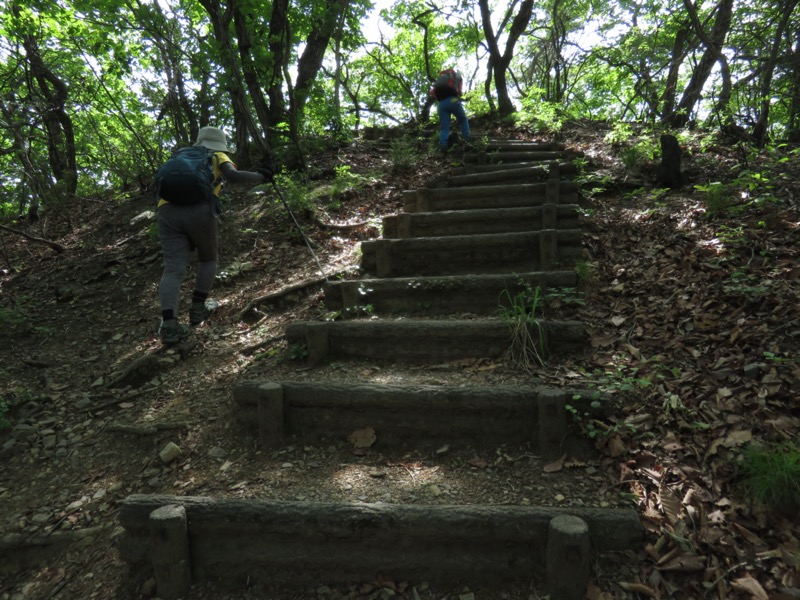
{"x": 463, "y": 247}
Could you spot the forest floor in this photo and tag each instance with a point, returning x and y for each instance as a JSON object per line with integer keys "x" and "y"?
{"x": 690, "y": 296}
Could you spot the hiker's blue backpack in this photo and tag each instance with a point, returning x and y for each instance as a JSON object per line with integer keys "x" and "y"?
{"x": 187, "y": 177}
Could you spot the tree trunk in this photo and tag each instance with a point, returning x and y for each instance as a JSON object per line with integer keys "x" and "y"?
{"x": 702, "y": 71}
{"x": 760, "y": 128}
{"x": 243, "y": 118}
{"x": 252, "y": 77}
{"x": 279, "y": 36}
{"x": 680, "y": 46}
{"x": 58, "y": 124}
{"x": 499, "y": 62}
{"x": 310, "y": 61}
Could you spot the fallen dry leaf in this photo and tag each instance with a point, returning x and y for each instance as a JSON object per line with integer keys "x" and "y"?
{"x": 362, "y": 438}
{"x": 687, "y": 562}
{"x": 556, "y": 465}
{"x": 640, "y": 588}
{"x": 750, "y": 586}
{"x": 616, "y": 447}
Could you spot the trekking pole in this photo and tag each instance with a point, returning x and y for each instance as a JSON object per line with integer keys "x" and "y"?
{"x": 300, "y": 229}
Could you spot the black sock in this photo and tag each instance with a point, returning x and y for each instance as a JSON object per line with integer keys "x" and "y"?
{"x": 168, "y": 314}
{"x": 199, "y": 297}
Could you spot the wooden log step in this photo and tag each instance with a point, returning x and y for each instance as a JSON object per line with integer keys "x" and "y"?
{"x": 512, "y": 155}
{"x": 490, "y": 196}
{"x": 309, "y": 543}
{"x": 490, "y": 174}
{"x": 427, "y": 341}
{"x": 473, "y": 222}
{"x": 476, "y": 294}
{"x": 517, "y": 252}
{"x": 505, "y": 145}
{"x": 419, "y": 416}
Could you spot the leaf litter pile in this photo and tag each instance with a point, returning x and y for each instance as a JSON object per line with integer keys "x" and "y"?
{"x": 693, "y": 315}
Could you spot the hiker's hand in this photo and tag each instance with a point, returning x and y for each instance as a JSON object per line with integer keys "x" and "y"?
{"x": 266, "y": 173}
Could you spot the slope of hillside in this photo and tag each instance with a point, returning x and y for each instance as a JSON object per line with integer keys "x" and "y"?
{"x": 691, "y": 306}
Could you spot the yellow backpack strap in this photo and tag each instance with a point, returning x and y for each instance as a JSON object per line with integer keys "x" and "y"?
{"x": 215, "y": 169}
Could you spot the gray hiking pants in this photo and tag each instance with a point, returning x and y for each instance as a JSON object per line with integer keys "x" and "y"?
{"x": 181, "y": 229}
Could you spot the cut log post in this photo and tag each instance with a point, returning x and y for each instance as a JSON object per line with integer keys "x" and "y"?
{"x": 169, "y": 538}
{"x": 568, "y": 558}
{"x": 318, "y": 342}
{"x": 550, "y": 216}
{"x": 669, "y": 171}
{"x": 552, "y": 191}
{"x": 271, "y": 420}
{"x": 548, "y": 248}
{"x": 552, "y": 421}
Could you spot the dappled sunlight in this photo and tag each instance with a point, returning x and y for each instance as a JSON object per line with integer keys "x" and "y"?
{"x": 389, "y": 483}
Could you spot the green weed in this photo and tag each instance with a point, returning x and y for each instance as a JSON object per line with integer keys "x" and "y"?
{"x": 527, "y": 335}
{"x": 771, "y": 475}
{"x": 718, "y": 197}
{"x": 4, "y": 422}
{"x": 403, "y": 154}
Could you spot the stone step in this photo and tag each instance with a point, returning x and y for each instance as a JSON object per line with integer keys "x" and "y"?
{"x": 518, "y": 252}
{"x": 485, "y": 221}
{"x": 421, "y": 416}
{"x": 476, "y": 294}
{"x": 189, "y": 539}
{"x": 490, "y": 196}
{"x": 427, "y": 341}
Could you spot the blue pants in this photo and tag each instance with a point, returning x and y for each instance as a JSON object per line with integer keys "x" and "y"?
{"x": 451, "y": 106}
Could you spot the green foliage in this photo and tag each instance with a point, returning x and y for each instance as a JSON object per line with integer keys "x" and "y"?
{"x": 11, "y": 316}
{"x": 4, "y": 422}
{"x": 297, "y": 351}
{"x": 770, "y": 475}
{"x": 717, "y": 197}
{"x": 404, "y": 154}
{"x": 569, "y": 296}
{"x": 295, "y": 192}
{"x": 541, "y": 114}
{"x": 745, "y": 283}
{"x": 620, "y": 133}
{"x": 527, "y": 335}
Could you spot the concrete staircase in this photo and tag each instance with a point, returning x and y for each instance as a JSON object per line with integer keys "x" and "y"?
{"x": 503, "y": 224}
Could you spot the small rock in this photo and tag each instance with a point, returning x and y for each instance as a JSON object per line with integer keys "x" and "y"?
{"x": 443, "y": 449}
{"x": 286, "y": 465}
{"x": 226, "y": 465}
{"x": 435, "y": 491}
{"x": 142, "y": 218}
{"x": 753, "y": 370}
{"x": 217, "y": 452}
{"x": 40, "y": 518}
{"x": 387, "y": 593}
{"x": 560, "y": 498}
{"x": 467, "y": 596}
{"x": 169, "y": 453}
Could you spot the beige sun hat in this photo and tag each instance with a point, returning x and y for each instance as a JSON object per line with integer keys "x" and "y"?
{"x": 213, "y": 138}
